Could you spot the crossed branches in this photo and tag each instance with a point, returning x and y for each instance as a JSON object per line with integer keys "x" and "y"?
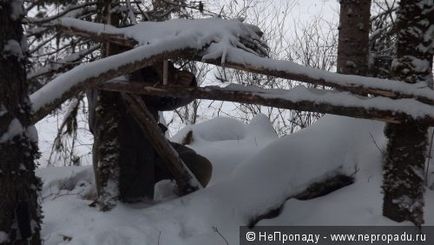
{"x": 387, "y": 100}
{"x": 239, "y": 48}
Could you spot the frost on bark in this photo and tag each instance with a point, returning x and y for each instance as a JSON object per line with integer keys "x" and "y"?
{"x": 353, "y": 42}
{"x": 20, "y": 213}
{"x": 106, "y": 150}
{"x": 404, "y": 161}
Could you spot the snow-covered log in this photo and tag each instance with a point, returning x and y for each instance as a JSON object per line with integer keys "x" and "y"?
{"x": 233, "y": 44}
{"x": 241, "y": 60}
{"x": 180, "y": 39}
{"x": 248, "y": 61}
{"x": 299, "y": 98}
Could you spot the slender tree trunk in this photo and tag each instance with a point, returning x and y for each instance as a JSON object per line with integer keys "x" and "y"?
{"x": 106, "y": 148}
{"x": 353, "y": 45}
{"x": 404, "y": 162}
{"x": 20, "y": 213}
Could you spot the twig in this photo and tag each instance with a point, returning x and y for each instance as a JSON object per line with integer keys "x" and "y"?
{"x": 218, "y": 232}
{"x": 376, "y": 145}
{"x": 429, "y": 157}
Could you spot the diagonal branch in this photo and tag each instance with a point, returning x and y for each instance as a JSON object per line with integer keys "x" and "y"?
{"x": 82, "y": 77}
{"x": 185, "y": 44}
{"x": 185, "y": 180}
{"x": 119, "y": 39}
{"x": 241, "y": 60}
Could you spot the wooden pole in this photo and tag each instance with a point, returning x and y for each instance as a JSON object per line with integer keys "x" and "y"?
{"x": 184, "y": 178}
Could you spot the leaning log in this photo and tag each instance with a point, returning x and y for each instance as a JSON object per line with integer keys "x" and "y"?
{"x": 184, "y": 178}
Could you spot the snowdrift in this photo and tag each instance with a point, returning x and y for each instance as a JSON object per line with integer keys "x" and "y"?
{"x": 254, "y": 171}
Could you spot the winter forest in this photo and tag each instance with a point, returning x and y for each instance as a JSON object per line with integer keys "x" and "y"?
{"x": 179, "y": 121}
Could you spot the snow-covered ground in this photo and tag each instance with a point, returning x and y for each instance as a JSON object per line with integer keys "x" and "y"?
{"x": 254, "y": 171}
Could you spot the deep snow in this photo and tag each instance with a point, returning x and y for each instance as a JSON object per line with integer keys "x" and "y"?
{"x": 254, "y": 170}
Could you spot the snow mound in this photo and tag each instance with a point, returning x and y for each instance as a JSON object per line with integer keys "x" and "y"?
{"x": 251, "y": 178}
{"x": 222, "y": 129}
{"x": 218, "y": 129}
{"x": 68, "y": 181}
{"x": 226, "y": 142}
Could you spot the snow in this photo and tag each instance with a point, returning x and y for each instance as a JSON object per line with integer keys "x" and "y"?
{"x": 254, "y": 171}
{"x": 3, "y": 236}
{"x": 3, "y": 110}
{"x": 17, "y": 9}
{"x": 169, "y": 36}
{"x": 32, "y": 133}
{"x": 148, "y": 33}
{"x": 238, "y": 56}
{"x": 228, "y": 141}
{"x": 413, "y": 108}
{"x": 222, "y": 41}
{"x": 12, "y": 47}
{"x": 15, "y": 128}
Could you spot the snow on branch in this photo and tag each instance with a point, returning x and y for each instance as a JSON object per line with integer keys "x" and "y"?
{"x": 237, "y": 45}
{"x": 234, "y": 57}
{"x": 229, "y": 33}
{"x": 171, "y": 39}
{"x": 65, "y": 86}
{"x": 299, "y": 98}
{"x": 238, "y": 59}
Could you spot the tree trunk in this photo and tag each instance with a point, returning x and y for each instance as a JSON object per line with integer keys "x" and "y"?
{"x": 20, "y": 214}
{"x": 105, "y": 125}
{"x": 404, "y": 162}
{"x": 353, "y": 43}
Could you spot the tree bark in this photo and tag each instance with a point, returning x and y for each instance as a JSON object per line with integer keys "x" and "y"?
{"x": 20, "y": 213}
{"x": 106, "y": 147}
{"x": 404, "y": 162}
{"x": 353, "y": 45}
